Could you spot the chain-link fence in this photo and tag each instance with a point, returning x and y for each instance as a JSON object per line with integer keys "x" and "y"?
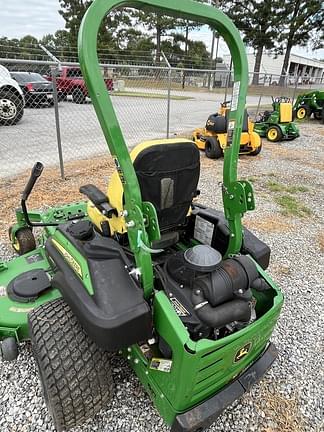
{"x": 58, "y": 123}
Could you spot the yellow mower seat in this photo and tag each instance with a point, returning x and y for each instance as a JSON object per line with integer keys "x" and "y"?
{"x": 168, "y": 173}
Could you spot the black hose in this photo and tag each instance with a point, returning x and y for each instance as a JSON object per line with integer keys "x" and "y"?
{"x": 219, "y": 316}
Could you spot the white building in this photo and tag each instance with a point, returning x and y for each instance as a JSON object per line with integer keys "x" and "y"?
{"x": 298, "y": 66}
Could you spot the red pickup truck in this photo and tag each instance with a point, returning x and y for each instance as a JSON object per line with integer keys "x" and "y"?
{"x": 70, "y": 82}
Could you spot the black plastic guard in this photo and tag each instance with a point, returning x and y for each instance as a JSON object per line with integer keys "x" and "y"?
{"x": 251, "y": 245}
{"x": 117, "y": 315}
{"x": 203, "y": 415}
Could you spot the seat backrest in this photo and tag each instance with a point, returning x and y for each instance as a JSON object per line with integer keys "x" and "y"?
{"x": 245, "y": 124}
{"x": 168, "y": 175}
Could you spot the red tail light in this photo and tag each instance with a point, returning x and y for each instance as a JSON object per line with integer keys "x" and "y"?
{"x": 29, "y": 87}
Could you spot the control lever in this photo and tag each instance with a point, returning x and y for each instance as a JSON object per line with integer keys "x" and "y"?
{"x": 99, "y": 199}
{"x": 35, "y": 173}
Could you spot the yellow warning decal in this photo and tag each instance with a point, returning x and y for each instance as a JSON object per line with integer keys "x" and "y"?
{"x": 69, "y": 258}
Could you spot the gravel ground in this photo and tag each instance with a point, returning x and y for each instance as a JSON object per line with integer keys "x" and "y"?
{"x": 289, "y": 398}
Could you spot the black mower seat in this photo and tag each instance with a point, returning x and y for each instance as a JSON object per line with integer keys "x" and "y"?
{"x": 116, "y": 315}
{"x": 168, "y": 176}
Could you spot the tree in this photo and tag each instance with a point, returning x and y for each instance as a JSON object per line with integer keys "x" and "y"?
{"x": 259, "y": 21}
{"x": 73, "y": 11}
{"x": 303, "y": 23}
{"x": 160, "y": 24}
{"x": 9, "y": 47}
{"x": 138, "y": 47}
{"x": 48, "y": 41}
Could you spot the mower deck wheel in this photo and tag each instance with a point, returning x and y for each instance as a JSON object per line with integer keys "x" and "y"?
{"x": 23, "y": 241}
{"x": 74, "y": 372}
{"x": 9, "y": 349}
{"x": 212, "y": 148}
{"x": 274, "y": 133}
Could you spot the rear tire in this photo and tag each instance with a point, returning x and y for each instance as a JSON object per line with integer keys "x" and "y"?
{"x": 213, "y": 149}
{"x": 75, "y": 373}
{"x": 302, "y": 112}
{"x": 11, "y": 108}
{"x": 274, "y": 134}
{"x": 256, "y": 151}
{"x": 318, "y": 115}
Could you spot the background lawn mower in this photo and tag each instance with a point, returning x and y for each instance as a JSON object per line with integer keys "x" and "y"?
{"x": 177, "y": 288}
{"x": 277, "y": 125}
{"x": 213, "y": 137}
{"x": 308, "y": 104}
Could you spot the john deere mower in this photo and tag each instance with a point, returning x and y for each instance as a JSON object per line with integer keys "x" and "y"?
{"x": 213, "y": 137}
{"x": 308, "y": 104}
{"x": 177, "y": 288}
{"x": 277, "y": 125}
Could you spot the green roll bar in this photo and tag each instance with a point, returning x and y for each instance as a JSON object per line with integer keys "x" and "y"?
{"x": 141, "y": 217}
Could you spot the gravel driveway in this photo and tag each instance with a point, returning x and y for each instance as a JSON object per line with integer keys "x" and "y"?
{"x": 290, "y": 397}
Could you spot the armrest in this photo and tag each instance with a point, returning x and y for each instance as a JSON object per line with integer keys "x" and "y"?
{"x": 99, "y": 199}
{"x": 94, "y": 194}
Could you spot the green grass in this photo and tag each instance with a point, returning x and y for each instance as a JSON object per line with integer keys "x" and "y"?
{"x": 162, "y": 82}
{"x": 279, "y": 187}
{"x": 275, "y": 187}
{"x": 149, "y": 95}
{"x": 290, "y": 206}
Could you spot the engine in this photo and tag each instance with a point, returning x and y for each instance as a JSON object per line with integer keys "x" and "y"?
{"x": 211, "y": 296}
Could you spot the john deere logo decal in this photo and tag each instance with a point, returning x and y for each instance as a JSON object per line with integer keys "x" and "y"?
{"x": 242, "y": 352}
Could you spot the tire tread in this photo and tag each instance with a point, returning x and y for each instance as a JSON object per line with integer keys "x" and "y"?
{"x": 75, "y": 373}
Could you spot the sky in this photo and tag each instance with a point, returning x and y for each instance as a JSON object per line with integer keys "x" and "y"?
{"x": 39, "y": 17}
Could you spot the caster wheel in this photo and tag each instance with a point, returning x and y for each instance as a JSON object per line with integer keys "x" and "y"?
{"x": 23, "y": 241}
{"x": 9, "y": 349}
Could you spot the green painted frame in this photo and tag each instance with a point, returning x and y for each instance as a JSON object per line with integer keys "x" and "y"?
{"x": 237, "y": 196}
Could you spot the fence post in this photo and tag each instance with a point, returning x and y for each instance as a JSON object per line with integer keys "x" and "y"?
{"x": 169, "y": 101}
{"x": 295, "y": 89}
{"x": 258, "y": 107}
{"x": 169, "y": 93}
{"x": 57, "y": 122}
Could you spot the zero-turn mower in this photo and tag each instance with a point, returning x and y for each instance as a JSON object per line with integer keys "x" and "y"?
{"x": 177, "y": 288}
{"x": 308, "y": 104}
{"x": 277, "y": 125}
{"x": 213, "y": 137}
